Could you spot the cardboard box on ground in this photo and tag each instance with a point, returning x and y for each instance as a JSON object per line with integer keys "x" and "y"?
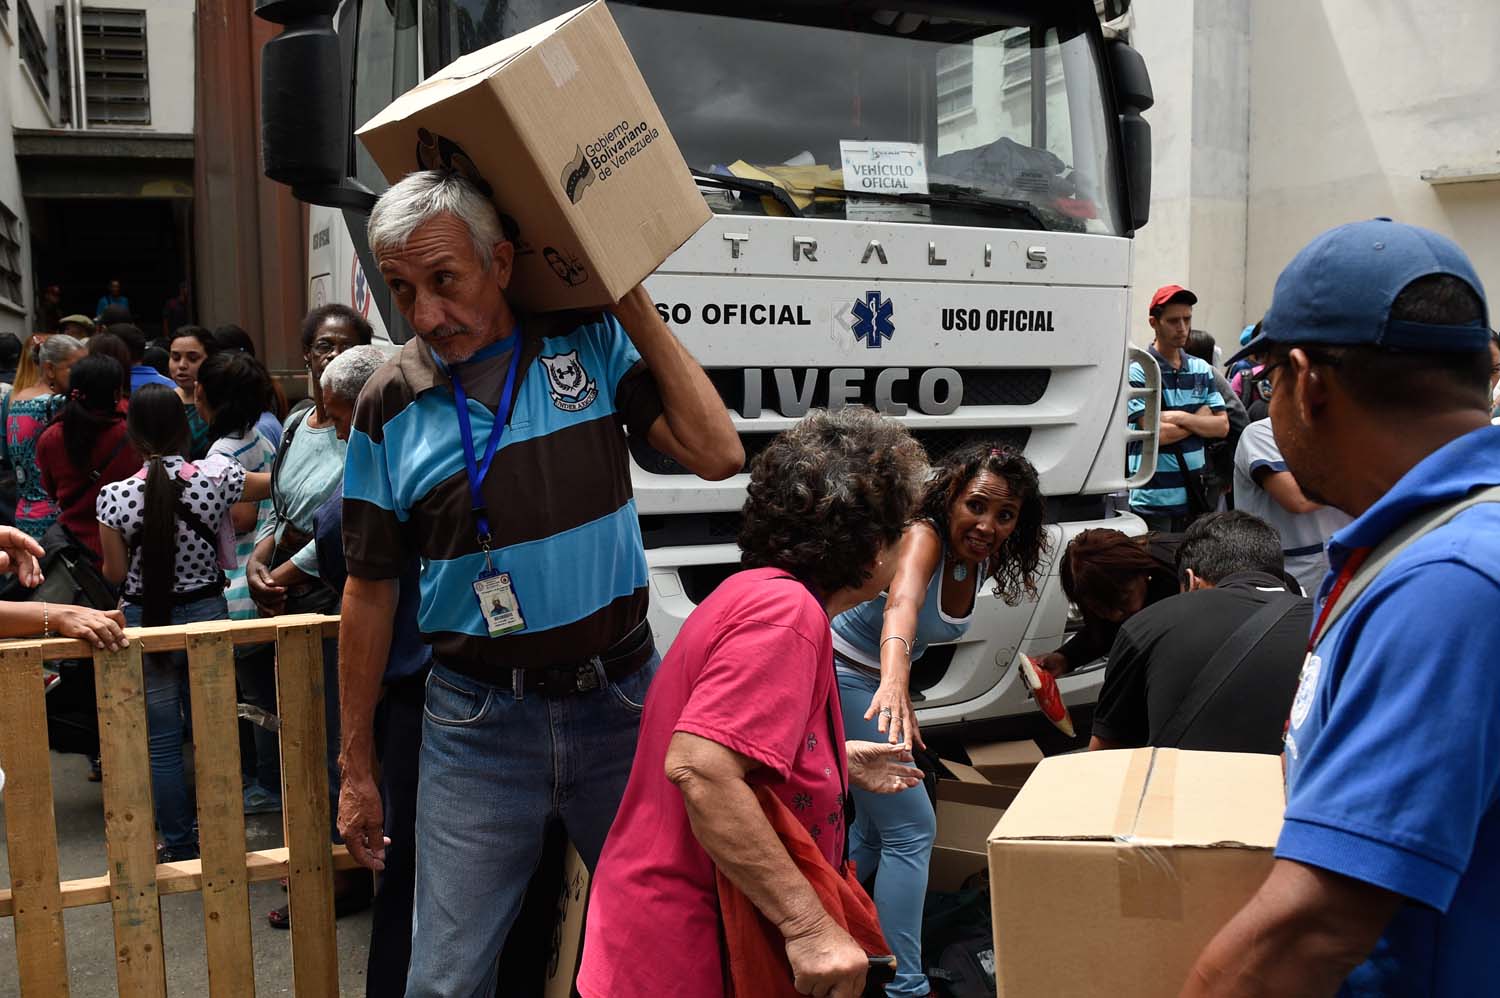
{"x": 969, "y": 805}
{"x": 1117, "y": 868}
{"x": 558, "y": 125}
{"x": 567, "y": 931}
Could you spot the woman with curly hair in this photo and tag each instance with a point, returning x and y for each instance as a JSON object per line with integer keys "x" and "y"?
{"x": 747, "y": 699}
{"x": 980, "y": 520}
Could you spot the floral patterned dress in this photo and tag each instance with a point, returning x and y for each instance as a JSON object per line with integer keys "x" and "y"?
{"x": 24, "y": 423}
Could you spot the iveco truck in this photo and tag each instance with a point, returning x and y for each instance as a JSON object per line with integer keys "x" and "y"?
{"x": 926, "y": 208}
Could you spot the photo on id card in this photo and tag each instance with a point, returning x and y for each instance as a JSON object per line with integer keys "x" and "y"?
{"x": 499, "y": 604}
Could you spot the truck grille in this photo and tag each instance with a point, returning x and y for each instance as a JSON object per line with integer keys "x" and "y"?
{"x": 938, "y": 444}
{"x": 982, "y": 386}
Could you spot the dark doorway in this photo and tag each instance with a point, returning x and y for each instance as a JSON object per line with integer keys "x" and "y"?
{"x": 81, "y": 244}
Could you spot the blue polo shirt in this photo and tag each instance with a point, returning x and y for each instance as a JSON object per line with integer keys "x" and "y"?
{"x": 1183, "y": 389}
{"x": 1393, "y": 752}
{"x": 145, "y": 374}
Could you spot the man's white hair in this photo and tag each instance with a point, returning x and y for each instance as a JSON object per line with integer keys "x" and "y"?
{"x": 420, "y": 197}
{"x": 346, "y": 374}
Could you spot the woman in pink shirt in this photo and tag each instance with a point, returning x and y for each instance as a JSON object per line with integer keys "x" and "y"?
{"x": 745, "y": 698}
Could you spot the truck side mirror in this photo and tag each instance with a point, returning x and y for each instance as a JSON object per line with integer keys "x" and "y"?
{"x": 304, "y": 131}
{"x": 1133, "y": 95}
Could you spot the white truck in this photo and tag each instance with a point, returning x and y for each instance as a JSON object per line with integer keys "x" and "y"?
{"x": 926, "y": 209}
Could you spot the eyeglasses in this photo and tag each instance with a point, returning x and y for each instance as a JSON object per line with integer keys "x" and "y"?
{"x": 1313, "y": 356}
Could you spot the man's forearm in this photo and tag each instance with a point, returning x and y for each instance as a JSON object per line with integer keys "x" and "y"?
{"x": 728, "y": 822}
{"x": 364, "y": 646}
{"x": 1205, "y": 423}
{"x": 693, "y": 409}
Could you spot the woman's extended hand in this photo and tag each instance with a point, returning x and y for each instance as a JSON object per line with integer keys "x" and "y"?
{"x": 18, "y": 555}
{"x": 892, "y": 704}
{"x": 881, "y": 768}
{"x": 100, "y": 628}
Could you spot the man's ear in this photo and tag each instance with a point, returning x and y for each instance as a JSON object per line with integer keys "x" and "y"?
{"x": 1196, "y": 582}
{"x": 1310, "y": 386}
{"x": 504, "y": 253}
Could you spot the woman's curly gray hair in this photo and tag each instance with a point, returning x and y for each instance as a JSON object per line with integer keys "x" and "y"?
{"x": 828, "y": 494}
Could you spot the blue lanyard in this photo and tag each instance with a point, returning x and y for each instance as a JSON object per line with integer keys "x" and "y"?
{"x": 478, "y": 470}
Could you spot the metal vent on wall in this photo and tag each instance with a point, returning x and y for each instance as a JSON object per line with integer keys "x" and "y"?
{"x": 117, "y": 84}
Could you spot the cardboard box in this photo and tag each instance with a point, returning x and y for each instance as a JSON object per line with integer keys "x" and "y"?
{"x": 968, "y": 806}
{"x": 1111, "y": 871}
{"x": 567, "y": 931}
{"x": 557, "y": 123}
{"x": 1005, "y": 764}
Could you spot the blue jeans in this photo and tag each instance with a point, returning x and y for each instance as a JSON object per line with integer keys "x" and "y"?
{"x": 167, "y": 716}
{"x": 891, "y": 837}
{"x": 494, "y": 771}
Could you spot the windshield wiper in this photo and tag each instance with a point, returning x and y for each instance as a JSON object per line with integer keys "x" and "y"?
{"x": 949, "y": 195}
{"x": 747, "y": 185}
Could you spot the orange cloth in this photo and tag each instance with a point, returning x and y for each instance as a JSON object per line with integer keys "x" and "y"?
{"x": 755, "y": 950}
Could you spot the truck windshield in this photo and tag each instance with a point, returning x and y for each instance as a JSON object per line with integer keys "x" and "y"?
{"x": 994, "y": 120}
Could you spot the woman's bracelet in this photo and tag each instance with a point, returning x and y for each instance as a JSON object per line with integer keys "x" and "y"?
{"x": 46, "y": 622}
{"x": 896, "y": 637}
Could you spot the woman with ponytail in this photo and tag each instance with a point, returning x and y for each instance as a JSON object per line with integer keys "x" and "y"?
{"x": 27, "y": 411}
{"x": 160, "y": 534}
{"x": 85, "y": 449}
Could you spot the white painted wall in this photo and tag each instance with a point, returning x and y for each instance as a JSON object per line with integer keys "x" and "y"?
{"x": 1352, "y": 100}
{"x": 19, "y": 99}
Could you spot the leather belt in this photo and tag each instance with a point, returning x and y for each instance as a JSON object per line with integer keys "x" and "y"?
{"x": 624, "y": 658}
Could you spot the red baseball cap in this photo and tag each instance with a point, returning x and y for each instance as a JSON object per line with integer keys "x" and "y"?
{"x": 1168, "y": 293}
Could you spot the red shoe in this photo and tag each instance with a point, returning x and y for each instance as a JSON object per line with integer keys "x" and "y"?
{"x": 1043, "y": 689}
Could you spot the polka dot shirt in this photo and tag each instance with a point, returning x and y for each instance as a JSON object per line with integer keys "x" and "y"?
{"x": 215, "y": 485}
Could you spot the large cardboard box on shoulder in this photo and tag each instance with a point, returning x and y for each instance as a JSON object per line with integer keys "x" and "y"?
{"x": 1112, "y": 870}
{"x": 558, "y": 126}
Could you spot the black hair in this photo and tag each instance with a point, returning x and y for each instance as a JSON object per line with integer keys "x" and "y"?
{"x": 114, "y": 314}
{"x": 235, "y": 387}
{"x": 158, "y": 428}
{"x": 199, "y": 333}
{"x": 1016, "y": 567}
{"x": 135, "y": 340}
{"x": 1201, "y": 345}
{"x": 232, "y": 337}
{"x": 10, "y": 349}
{"x": 158, "y": 358}
{"x": 1220, "y": 544}
{"x": 1414, "y": 381}
{"x": 92, "y": 407}
{"x": 343, "y": 313}
{"x": 110, "y": 345}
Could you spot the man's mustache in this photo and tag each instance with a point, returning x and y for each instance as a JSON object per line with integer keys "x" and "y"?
{"x": 444, "y": 332}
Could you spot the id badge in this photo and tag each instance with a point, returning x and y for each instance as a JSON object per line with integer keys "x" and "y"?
{"x": 498, "y": 603}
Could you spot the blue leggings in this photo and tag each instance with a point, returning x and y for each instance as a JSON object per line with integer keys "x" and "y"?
{"x": 892, "y": 837}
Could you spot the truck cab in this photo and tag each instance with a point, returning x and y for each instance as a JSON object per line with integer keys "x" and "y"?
{"x": 926, "y": 209}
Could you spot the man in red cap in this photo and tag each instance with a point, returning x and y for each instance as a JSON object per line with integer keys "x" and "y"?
{"x": 1192, "y": 410}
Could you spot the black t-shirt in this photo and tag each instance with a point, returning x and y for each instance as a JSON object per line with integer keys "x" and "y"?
{"x": 1159, "y": 652}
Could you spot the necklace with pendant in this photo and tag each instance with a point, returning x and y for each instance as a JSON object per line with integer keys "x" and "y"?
{"x": 960, "y": 572}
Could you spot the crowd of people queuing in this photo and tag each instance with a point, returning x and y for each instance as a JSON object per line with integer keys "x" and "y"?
{"x": 750, "y": 803}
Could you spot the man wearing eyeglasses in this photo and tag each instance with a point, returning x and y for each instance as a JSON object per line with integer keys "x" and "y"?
{"x": 1387, "y": 873}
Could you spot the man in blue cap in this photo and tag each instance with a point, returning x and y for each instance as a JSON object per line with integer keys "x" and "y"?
{"x": 1387, "y": 873}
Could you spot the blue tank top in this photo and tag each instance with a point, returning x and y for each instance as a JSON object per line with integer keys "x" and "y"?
{"x": 856, "y": 631}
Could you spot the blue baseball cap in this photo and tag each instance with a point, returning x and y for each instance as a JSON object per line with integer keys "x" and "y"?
{"x": 1246, "y": 333}
{"x": 1338, "y": 291}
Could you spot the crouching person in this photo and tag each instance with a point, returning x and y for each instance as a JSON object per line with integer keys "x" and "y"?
{"x": 494, "y": 449}
{"x": 747, "y": 698}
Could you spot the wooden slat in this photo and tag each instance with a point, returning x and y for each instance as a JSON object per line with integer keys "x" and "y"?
{"x": 221, "y": 813}
{"x": 129, "y": 832}
{"x": 30, "y": 825}
{"x": 304, "y": 802}
{"x": 178, "y": 878}
{"x": 152, "y": 639}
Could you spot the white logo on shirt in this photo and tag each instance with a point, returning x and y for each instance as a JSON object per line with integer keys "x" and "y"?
{"x": 1307, "y": 688}
{"x": 572, "y": 388}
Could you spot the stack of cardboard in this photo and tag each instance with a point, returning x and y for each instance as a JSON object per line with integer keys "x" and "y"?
{"x": 970, "y": 803}
{"x": 1112, "y": 870}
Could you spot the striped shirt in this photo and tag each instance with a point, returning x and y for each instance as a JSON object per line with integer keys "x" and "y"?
{"x": 1183, "y": 389}
{"x": 253, "y": 452}
{"x": 562, "y": 513}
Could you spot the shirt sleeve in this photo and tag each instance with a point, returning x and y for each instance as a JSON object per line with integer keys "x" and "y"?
{"x": 1210, "y": 395}
{"x": 375, "y": 525}
{"x": 1258, "y": 450}
{"x": 754, "y": 693}
{"x": 636, "y": 395}
{"x": 1121, "y": 715}
{"x": 1394, "y": 786}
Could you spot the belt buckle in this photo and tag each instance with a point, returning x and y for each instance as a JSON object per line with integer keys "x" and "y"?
{"x": 587, "y": 677}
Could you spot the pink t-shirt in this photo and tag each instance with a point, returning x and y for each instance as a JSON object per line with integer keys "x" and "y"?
{"x": 752, "y": 670}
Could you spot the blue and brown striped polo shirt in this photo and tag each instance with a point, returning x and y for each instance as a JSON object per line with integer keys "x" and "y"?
{"x": 1183, "y": 389}
{"x": 561, "y": 510}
